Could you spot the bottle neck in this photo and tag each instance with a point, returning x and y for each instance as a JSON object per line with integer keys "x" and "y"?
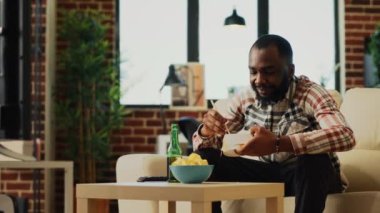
{"x": 174, "y": 148}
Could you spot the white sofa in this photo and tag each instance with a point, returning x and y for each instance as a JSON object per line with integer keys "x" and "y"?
{"x": 361, "y": 107}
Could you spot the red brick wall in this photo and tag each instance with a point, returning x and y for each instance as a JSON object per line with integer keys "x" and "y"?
{"x": 361, "y": 17}
{"x": 18, "y": 182}
{"x": 108, "y": 7}
{"x": 141, "y": 126}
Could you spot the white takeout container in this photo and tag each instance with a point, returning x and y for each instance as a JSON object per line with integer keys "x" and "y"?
{"x": 233, "y": 141}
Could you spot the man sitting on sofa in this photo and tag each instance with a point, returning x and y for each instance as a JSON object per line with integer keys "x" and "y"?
{"x": 295, "y": 125}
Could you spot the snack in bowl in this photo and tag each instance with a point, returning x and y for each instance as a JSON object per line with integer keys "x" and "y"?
{"x": 193, "y": 159}
{"x": 192, "y": 169}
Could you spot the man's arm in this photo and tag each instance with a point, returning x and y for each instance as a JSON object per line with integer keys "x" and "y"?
{"x": 210, "y": 133}
{"x": 203, "y": 141}
{"x": 334, "y": 135}
{"x": 264, "y": 142}
{"x": 285, "y": 144}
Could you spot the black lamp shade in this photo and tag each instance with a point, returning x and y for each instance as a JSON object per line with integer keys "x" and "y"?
{"x": 234, "y": 19}
{"x": 172, "y": 78}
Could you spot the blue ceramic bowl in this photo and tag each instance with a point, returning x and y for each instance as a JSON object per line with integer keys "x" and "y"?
{"x": 192, "y": 173}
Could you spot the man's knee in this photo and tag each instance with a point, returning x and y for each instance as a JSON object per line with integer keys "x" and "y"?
{"x": 314, "y": 178}
{"x": 315, "y": 172}
{"x": 314, "y": 163}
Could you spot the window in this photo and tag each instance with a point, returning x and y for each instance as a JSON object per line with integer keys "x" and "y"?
{"x": 152, "y": 36}
{"x": 223, "y": 50}
{"x": 309, "y": 27}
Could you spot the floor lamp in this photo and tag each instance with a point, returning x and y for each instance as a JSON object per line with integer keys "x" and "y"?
{"x": 171, "y": 80}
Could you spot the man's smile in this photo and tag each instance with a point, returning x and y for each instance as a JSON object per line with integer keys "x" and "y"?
{"x": 264, "y": 90}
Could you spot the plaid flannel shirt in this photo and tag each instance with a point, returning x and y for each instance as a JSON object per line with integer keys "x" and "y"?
{"x": 308, "y": 115}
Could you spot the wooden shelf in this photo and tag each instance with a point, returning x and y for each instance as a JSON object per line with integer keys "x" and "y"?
{"x": 67, "y": 166}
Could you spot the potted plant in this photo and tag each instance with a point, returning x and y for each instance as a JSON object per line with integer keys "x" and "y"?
{"x": 374, "y": 48}
{"x": 87, "y": 91}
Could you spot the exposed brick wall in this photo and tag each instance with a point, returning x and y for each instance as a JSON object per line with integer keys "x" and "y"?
{"x": 141, "y": 128}
{"x": 18, "y": 182}
{"x": 361, "y": 17}
{"x": 108, "y": 8}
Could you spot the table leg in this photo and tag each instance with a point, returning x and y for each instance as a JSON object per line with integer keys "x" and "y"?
{"x": 171, "y": 207}
{"x": 275, "y": 204}
{"x": 86, "y": 205}
{"x": 201, "y": 207}
{"x": 69, "y": 193}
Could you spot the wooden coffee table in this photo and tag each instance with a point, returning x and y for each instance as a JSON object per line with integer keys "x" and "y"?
{"x": 200, "y": 195}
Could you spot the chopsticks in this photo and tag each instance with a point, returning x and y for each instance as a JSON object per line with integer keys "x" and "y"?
{"x": 225, "y": 124}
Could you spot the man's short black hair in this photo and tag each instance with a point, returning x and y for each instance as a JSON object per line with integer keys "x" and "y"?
{"x": 283, "y": 46}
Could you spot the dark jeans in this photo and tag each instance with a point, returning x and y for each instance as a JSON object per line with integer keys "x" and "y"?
{"x": 308, "y": 177}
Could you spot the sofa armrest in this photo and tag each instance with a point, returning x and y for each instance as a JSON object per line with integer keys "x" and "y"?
{"x": 131, "y": 167}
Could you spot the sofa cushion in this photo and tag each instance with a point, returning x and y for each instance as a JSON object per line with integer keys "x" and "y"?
{"x": 368, "y": 202}
{"x": 362, "y": 169}
{"x": 361, "y": 109}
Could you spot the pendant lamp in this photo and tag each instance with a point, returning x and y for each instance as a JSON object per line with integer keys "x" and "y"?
{"x": 234, "y": 19}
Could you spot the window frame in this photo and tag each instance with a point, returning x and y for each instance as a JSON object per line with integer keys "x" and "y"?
{"x": 263, "y": 28}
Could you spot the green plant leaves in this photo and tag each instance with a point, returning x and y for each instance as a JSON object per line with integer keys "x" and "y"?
{"x": 87, "y": 89}
{"x": 374, "y": 47}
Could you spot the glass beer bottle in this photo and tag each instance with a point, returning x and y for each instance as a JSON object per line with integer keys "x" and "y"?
{"x": 174, "y": 151}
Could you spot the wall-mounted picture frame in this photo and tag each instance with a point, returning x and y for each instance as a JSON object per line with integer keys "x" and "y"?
{"x": 191, "y": 93}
